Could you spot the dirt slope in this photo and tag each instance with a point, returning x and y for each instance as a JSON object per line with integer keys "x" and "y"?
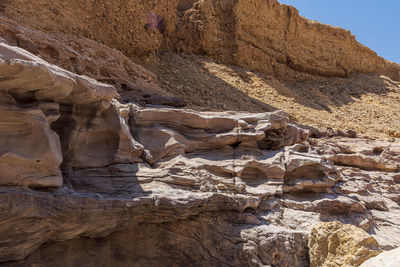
{"x": 109, "y": 171}
{"x": 260, "y": 34}
{"x": 213, "y": 56}
{"x": 368, "y": 104}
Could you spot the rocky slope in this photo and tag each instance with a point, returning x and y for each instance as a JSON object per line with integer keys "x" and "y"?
{"x": 241, "y": 66}
{"x": 230, "y": 187}
{"x": 262, "y": 35}
{"x": 367, "y": 104}
{"x": 99, "y": 166}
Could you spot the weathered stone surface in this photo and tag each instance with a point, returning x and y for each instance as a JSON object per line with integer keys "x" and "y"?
{"x": 307, "y": 172}
{"x": 227, "y": 150}
{"x": 95, "y": 135}
{"x": 137, "y": 183}
{"x": 206, "y": 83}
{"x": 30, "y": 152}
{"x": 336, "y": 244}
{"x": 262, "y": 35}
{"x": 238, "y": 244}
{"x": 85, "y": 56}
{"x": 385, "y": 259}
{"x": 39, "y": 100}
{"x": 368, "y": 154}
{"x": 273, "y": 38}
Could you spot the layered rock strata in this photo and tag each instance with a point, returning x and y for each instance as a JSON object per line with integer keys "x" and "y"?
{"x": 84, "y": 56}
{"x": 87, "y": 180}
{"x": 260, "y": 34}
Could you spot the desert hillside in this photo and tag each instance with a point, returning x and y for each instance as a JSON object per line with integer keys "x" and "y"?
{"x": 193, "y": 133}
{"x": 216, "y": 55}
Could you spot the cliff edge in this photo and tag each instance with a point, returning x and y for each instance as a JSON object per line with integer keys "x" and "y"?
{"x": 262, "y": 35}
{"x": 192, "y": 133}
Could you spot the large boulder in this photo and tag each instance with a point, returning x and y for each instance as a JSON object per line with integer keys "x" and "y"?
{"x": 336, "y": 244}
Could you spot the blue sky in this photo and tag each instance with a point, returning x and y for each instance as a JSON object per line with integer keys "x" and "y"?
{"x": 375, "y": 23}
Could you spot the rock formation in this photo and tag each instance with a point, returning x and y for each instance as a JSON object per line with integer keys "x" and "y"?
{"x": 136, "y": 167}
{"x": 336, "y": 244}
{"x": 100, "y": 165}
{"x": 385, "y": 259}
{"x": 274, "y": 38}
{"x": 260, "y": 34}
{"x": 77, "y": 41}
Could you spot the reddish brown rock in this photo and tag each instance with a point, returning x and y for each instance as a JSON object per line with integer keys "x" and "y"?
{"x": 262, "y": 35}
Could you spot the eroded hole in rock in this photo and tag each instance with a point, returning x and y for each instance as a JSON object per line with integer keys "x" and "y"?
{"x": 250, "y": 210}
{"x": 43, "y": 189}
{"x": 377, "y": 151}
{"x": 25, "y": 99}
{"x": 64, "y": 128}
{"x": 236, "y": 144}
{"x": 253, "y": 176}
{"x": 273, "y": 140}
{"x": 309, "y": 172}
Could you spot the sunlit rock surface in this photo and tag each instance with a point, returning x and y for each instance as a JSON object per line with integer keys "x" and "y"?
{"x": 124, "y": 184}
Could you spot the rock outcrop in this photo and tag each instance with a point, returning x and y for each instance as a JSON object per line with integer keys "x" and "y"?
{"x": 260, "y": 34}
{"x": 84, "y": 56}
{"x": 273, "y": 38}
{"x": 233, "y": 188}
{"x": 336, "y": 244}
{"x": 99, "y": 165}
{"x": 385, "y": 259}
{"x": 36, "y": 98}
{"x": 177, "y": 79}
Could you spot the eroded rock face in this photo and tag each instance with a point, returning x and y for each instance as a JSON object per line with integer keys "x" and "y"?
{"x": 30, "y": 153}
{"x": 124, "y": 25}
{"x": 262, "y": 35}
{"x": 36, "y": 99}
{"x": 95, "y": 136}
{"x": 272, "y": 38}
{"x": 215, "y": 188}
{"x": 336, "y": 244}
{"x": 84, "y": 56}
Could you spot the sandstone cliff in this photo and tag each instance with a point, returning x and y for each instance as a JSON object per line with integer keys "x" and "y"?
{"x": 99, "y": 165}
{"x": 171, "y": 179}
{"x": 277, "y": 60}
{"x": 260, "y": 34}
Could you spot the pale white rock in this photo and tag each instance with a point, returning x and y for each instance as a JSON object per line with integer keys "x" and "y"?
{"x": 385, "y": 259}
